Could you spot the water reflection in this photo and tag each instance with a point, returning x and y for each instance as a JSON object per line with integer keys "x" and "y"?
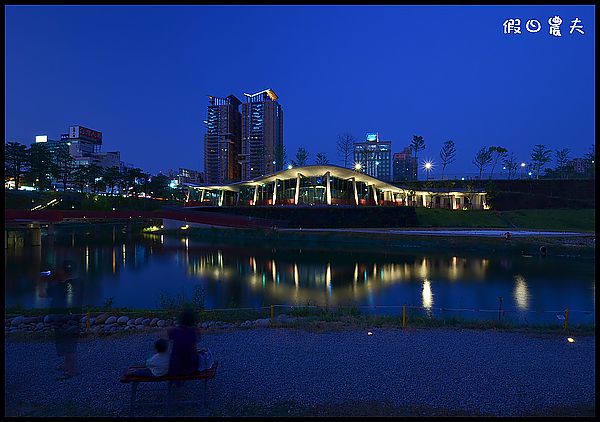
{"x": 135, "y": 270}
{"x": 520, "y": 293}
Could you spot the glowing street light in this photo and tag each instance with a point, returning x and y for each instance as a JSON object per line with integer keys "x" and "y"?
{"x": 289, "y": 166}
{"x": 522, "y": 167}
{"x": 428, "y": 167}
{"x": 357, "y": 166}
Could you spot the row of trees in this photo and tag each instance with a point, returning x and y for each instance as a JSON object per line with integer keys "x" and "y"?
{"x": 38, "y": 166}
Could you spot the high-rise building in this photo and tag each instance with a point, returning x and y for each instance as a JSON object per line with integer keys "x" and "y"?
{"x": 262, "y": 135}
{"x": 222, "y": 141}
{"x": 374, "y": 156}
{"x": 405, "y": 166}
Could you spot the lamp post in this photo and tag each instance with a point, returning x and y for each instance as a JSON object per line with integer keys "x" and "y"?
{"x": 522, "y": 167}
{"x": 428, "y": 166}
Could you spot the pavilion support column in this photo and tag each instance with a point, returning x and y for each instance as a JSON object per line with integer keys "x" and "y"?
{"x": 328, "y": 188}
{"x": 275, "y": 191}
{"x": 187, "y": 194}
{"x": 355, "y": 191}
{"x": 453, "y": 202}
{"x": 297, "y": 194}
{"x": 221, "y": 197}
{"x": 202, "y": 195}
{"x": 237, "y": 198}
{"x": 375, "y": 194}
{"x": 255, "y": 195}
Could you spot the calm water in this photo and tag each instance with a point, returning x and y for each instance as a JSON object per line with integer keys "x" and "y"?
{"x": 135, "y": 271}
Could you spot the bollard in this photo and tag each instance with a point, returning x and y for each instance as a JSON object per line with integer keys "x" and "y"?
{"x": 566, "y": 323}
{"x": 272, "y": 313}
{"x": 404, "y": 316}
{"x": 87, "y": 323}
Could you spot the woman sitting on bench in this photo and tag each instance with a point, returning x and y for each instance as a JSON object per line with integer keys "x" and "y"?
{"x": 184, "y": 353}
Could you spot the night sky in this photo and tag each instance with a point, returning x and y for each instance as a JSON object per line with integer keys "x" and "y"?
{"x": 141, "y": 75}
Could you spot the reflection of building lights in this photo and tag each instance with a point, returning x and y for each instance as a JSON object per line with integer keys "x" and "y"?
{"x": 328, "y": 278}
{"x": 570, "y": 339}
{"x": 356, "y": 273}
{"x": 521, "y": 293}
{"x": 427, "y": 295}
{"x": 296, "y": 275}
{"x": 185, "y": 227}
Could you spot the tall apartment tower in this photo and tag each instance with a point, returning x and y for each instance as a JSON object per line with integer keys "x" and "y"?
{"x": 222, "y": 141}
{"x": 374, "y": 156}
{"x": 262, "y": 135}
{"x": 405, "y": 166}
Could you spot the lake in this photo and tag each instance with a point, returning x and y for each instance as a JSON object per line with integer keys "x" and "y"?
{"x": 150, "y": 270}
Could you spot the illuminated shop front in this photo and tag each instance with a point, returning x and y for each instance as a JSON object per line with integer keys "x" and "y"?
{"x": 323, "y": 185}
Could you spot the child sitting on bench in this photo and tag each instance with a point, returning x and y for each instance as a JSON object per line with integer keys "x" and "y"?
{"x": 157, "y": 365}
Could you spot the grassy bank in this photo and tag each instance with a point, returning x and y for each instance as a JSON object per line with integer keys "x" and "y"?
{"x": 558, "y": 219}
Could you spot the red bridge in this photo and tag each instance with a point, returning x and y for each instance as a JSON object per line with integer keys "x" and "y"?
{"x": 15, "y": 217}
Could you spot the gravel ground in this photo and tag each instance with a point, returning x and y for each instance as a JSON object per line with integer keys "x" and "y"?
{"x": 270, "y": 371}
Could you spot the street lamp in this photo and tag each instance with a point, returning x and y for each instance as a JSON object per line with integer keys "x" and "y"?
{"x": 428, "y": 167}
{"x": 522, "y": 167}
{"x": 357, "y": 166}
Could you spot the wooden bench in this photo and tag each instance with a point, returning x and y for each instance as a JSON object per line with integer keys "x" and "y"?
{"x": 171, "y": 379}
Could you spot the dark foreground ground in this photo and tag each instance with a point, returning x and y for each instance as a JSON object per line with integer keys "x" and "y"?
{"x": 276, "y": 372}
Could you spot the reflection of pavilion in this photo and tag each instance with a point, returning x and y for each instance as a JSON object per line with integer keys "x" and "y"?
{"x": 294, "y": 280}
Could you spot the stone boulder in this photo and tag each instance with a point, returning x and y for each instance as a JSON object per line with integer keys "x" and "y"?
{"x": 146, "y": 321}
{"x": 110, "y": 320}
{"x": 154, "y": 322}
{"x": 131, "y": 322}
{"x": 16, "y": 321}
{"x": 101, "y": 319}
{"x": 139, "y": 320}
{"x": 123, "y": 319}
{"x": 262, "y": 322}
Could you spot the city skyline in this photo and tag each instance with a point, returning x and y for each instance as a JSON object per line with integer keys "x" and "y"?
{"x": 445, "y": 73}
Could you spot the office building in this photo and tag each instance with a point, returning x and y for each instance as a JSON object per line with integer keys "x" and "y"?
{"x": 262, "y": 135}
{"x": 404, "y": 166}
{"x": 373, "y": 157}
{"x": 222, "y": 141}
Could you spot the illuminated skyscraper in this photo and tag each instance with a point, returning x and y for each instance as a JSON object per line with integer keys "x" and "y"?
{"x": 405, "y": 166}
{"x": 374, "y": 156}
{"x": 262, "y": 135}
{"x": 222, "y": 141}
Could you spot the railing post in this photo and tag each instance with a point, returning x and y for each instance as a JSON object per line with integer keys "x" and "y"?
{"x": 87, "y": 323}
{"x": 566, "y": 323}
{"x": 404, "y": 316}
{"x": 500, "y": 309}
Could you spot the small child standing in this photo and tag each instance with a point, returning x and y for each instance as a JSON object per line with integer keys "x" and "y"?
{"x": 157, "y": 365}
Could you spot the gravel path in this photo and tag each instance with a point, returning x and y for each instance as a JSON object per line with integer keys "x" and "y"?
{"x": 449, "y": 371}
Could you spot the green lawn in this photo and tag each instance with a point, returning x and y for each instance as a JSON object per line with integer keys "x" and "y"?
{"x": 555, "y": 219}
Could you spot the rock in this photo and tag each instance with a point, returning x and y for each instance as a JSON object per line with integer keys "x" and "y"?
{"x": 139, "y": 320}
{"x": 161, "y": 323}
{"x": 146, "y": 321}
{"x": 205, "y": 324}
{"x": 39, "y": 326}
{"x": 17, "y": 321}
{"x": 123, "y": 319}
{"x": 154, "y": 322}
{"x": 110, "y": 320}
{"x": 30, "y": 320}
{"x": 131, "y": 322}
{"x": 262, "y": 322}
{"x": 101, "y": 319}
{"x": 140, "y": 327}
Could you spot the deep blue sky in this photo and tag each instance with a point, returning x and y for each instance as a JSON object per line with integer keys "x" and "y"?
{"x": 141, "y": 75}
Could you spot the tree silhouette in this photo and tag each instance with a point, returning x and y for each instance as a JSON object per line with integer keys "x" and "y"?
{"x": 482, "y": 159}
{"x": 345, "y": 147}
{"x": 301, "y": 157}
{"x": 540, "y": 156}
{"x": 321, "y": 159}
{"x": 447, "y": 155}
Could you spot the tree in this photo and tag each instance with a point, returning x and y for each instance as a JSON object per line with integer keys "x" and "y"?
{"x": 41, "y": 166}
{"x": 81, "y": 176}
{"x": 16, "y": 160}
{"x": 111, "y": 177}
{"x": 500, "y": 152}
{"x": 590, "y": 158}
{"x": 447, "y": 155}
{"x": 95, "y": 172}
{"x": 417, "y": 144}
{"x": 539, "y": 157}
{"x": 511, "y": 164}
{"x": 159, "y": 186}
{"x": 321, "y": 159}
{"x": 562, "y": 161}
{"x": 345, "y": 147}
{"x": 64, "y": 164}
{"x": 132, "y": 180}
{"x": 280, "y": 157}
{"x": 301, "y": 157}
{"x": 482, "y": 159}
